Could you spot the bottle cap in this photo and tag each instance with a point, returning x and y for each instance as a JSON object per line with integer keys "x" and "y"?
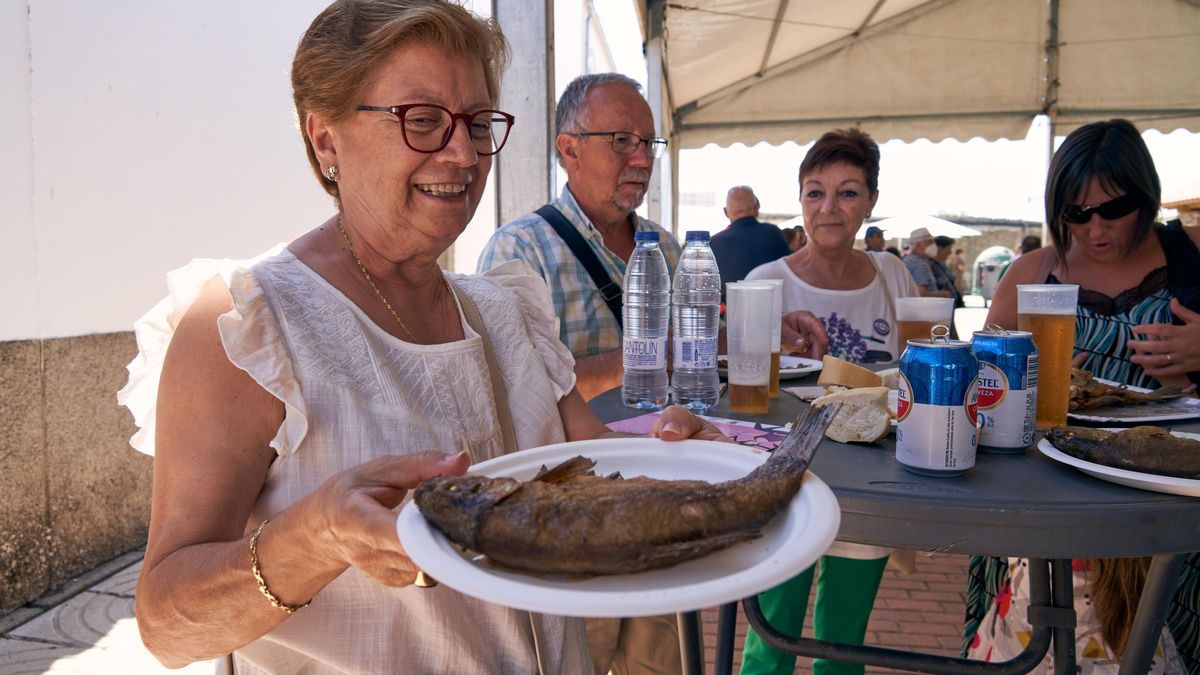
{"x": 697, "y": 235}
{"x": 645, "y": 236}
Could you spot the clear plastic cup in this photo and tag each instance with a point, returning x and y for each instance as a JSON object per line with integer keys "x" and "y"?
{"x": 749, "y": 316}
{"x": 776, "y": 334}
{"x": 1048, "y": 311}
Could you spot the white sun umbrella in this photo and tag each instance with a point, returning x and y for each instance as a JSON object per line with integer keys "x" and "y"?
{"x": 899, "y": 227}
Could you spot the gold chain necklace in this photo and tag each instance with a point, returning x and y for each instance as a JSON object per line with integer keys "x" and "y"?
{"x": 371, "y": 283}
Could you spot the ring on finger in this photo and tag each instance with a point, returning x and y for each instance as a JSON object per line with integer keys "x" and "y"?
{"x": 1169, "y": 361}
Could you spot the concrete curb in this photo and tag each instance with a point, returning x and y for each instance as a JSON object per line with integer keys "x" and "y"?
{"x": 32, "y": 610}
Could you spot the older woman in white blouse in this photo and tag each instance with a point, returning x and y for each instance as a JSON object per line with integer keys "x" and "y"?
{"x": 852, "y": 293}
{"x": 292, "y": 400}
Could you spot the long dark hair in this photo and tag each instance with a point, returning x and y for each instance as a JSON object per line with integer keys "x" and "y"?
{"x": 1114, "y": 152}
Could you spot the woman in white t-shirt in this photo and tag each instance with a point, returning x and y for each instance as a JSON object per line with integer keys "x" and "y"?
{"x": 853, "y": 294}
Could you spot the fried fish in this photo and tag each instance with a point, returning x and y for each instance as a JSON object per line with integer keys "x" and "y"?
{"x": 1145, "y": 449}
{"x": 569, "y": 521}
{"x": 1088, "y": 393}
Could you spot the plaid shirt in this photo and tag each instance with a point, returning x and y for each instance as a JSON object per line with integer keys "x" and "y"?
{"x": 921, "y": 272}
{"x": 585, "y": 323}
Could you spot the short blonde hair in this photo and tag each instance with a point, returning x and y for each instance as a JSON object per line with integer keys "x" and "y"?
{"x": 347, "y": 40}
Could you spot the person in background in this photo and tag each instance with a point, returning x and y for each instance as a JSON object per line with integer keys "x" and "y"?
{"x": 746, "y": 243}
{"x": 1028, "y": 244}
{"x": 919, "y": 263}
{"x": 958, "y": 267}
{"x": 607, "y": 143}
{"x": 874, "y": 239}
{"x": 853, "y": 293}
{"x": 894, "y": 251}
{"x": 796, "y": 238}
{"x": 1137, "y": 323}
{"x": 939, "y": 263}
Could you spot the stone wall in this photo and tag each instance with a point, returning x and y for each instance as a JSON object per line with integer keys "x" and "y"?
{"x": 73, "y": 494}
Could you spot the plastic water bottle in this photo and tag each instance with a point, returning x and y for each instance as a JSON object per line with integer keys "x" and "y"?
{"x": 695, "y": 310}
{"x": 646, "y": 311}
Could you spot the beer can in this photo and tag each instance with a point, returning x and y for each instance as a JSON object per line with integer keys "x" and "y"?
{"x": 937, "y": 429}
{"x": 1008, "y": 375}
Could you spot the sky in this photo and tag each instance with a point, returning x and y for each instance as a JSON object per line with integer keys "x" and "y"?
{"x": 1000, "y": 179}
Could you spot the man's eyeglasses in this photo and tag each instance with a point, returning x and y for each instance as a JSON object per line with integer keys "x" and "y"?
{"x": 428, "y": 127}
{"x": 1109, "y": 210}
{"x": 625, "y": 143}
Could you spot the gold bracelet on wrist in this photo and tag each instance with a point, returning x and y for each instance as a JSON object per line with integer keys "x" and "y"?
{"x": 257, "y": 572}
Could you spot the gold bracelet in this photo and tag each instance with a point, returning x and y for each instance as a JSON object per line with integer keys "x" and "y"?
{"x": 257, "y": 572}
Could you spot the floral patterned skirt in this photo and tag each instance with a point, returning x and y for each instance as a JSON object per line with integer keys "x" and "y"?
{"x": 1005, "y": 629}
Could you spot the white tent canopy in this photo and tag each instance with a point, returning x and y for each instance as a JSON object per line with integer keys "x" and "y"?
{"x": 778, "y": 70}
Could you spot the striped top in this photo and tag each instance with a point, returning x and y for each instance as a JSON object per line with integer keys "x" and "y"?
{"x": 585, "y": 323}
{"x": 1104, "y": 326}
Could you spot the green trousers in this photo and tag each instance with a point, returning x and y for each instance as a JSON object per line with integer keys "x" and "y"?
{"x": 846, "y": 590}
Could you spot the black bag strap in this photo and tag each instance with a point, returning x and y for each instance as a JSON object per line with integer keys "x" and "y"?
{"x": 609, "y": 290}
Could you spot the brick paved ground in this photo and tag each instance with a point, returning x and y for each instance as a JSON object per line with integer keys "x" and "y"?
{"x": 922, "y": 611}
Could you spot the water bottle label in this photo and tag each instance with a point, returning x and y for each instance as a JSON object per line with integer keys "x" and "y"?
{"x": 645, "y": 353}
{"x": 695, "y": 352}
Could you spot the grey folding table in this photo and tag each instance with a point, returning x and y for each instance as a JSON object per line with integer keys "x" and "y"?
{"x": 1023, "y": 505}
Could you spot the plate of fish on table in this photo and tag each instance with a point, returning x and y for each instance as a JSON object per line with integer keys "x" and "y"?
{"x": 1096, "y": 400}
{"x": 625, "y": 526}
{"x": 790, "y": 367}
{"x": 1146, "y": 457}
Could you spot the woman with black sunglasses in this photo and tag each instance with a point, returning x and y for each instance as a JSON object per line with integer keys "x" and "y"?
{"x": 1137, "y": 323}
{"x": 1139, "y": 281}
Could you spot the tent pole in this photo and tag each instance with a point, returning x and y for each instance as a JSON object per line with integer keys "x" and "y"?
{"x": 659, "y": 203}
{"x": 525, "y": 171}
{"x": 1050, "y": 100}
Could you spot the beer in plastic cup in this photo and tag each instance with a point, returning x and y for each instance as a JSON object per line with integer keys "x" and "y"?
{"x": 1048, "y": 311}
{"x": 776, "y": 334}
{"x": 748, "y": 319}
{"x": 916, "y": 317}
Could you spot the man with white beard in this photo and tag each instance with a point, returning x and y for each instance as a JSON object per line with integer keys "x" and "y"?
{"x": 607, "y": 144}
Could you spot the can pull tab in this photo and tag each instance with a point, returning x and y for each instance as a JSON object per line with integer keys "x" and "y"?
{"x": 939, "y": 333}
{"x": 996, "y": 329}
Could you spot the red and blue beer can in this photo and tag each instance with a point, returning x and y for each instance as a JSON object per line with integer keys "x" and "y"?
{"x": 937, "y": 428}
{"x": 1008, "y": 373}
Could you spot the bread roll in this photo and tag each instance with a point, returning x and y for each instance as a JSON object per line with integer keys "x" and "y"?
{"x": 864, "y": 417}
{"x": 890, "y": 377}
{"x": 840, "y": 372}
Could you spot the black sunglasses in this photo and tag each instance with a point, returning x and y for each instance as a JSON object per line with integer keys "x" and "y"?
{"x": 1109, "y": 210}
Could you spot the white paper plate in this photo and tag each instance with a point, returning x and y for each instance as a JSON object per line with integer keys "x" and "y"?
{"x": 1146, "y": 481}
{"x": 791, "y": 542}
{"x": 790, "y": 367}
{"x": 1182, "y": 408}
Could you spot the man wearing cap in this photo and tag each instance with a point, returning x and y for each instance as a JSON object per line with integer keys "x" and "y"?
{"x": 874, "y": 239}
{"x": 746, "y": 243}
{"x": 917, "y": 262}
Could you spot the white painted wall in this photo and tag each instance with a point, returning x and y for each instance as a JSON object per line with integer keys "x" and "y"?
{"x": 140, "y": 134}
{"x": 18, "y": 248}
{"x": 160, "y": 132}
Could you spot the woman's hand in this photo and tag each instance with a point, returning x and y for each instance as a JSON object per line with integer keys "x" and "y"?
{"x": 677, "y": 423}
{"x": 355, "y": 511}
{"x": 803, "y": 334}
{"x": 1169, "y": 352}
